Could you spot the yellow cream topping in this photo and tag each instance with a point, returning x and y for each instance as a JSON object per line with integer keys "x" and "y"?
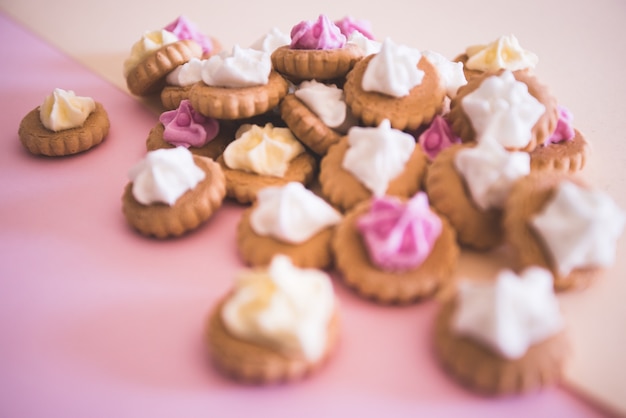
{"x": 263, "y": 150}
{"x": 504, "y": 53}
{"x": 64, "y": 110}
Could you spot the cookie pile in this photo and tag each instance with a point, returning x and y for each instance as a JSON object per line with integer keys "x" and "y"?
{"x": 380, "y": 162}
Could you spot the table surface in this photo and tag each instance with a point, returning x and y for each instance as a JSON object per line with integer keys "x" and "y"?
{"x": 99, "y": 321}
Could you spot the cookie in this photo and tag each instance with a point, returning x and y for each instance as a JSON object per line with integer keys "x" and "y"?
{"x": 187, "y": 213}
{"x": 39, "y": 140}
{"x": 512, "y": 139}
{"x": 359, "y": 272}
{"x": 311, "y": 64}
{"x": 567, "y": 156}
{"x": 409, "y": 112}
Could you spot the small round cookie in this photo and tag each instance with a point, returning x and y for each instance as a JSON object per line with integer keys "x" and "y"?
{"x": 307, "y": 126}
{"x": 238, "y": 103}
{"x": 243, "y": 186}
{"x": 449, "y": 194}
{"x": 480, "y": 369}
{"x": 409, "y": 112}
{"x": 39, "y": 140}
{"x": 532, "y": 197}
{"x": 358, "y": 271}
{"x": 566, "y": 156}
{"x": 288, "y": 220}
{"x": 251, "y": 340}
{"x": 344, "y": 191}
{"x": 148, "y": 76}
{"x": 188, "y": 212}
{"x": 171, "y": 96}
{"x": 213, "y": 149}
{"x": 540, "y": 131}
{"x": 315, "y": 64}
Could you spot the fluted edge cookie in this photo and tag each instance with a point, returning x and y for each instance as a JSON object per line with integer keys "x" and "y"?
{"x": 564, "y": 156}
{"x": 39, "y": 140}
{"x": 308, "y": 64}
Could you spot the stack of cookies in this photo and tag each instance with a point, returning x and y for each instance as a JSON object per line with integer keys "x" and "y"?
{"x": 381, "y": 163}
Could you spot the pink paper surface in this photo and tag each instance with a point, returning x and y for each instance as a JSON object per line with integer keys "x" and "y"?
{"x": 98, "y": 321}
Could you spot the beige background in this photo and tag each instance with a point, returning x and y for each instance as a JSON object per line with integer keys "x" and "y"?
{"x": 581, "y": 45}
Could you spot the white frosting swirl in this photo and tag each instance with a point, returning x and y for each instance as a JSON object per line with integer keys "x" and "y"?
{"x": 326, "y": 101}
{"x": 393, "y": 71}
{"x": 502, "y": 108}
{"x": 284, "y": 307}
{"x": 291, "y": 213}
{"x": 271, "y": 41}
{"x": 580, "y": 227}
{"x": 242, "y": 67}
{"x": 62, "y": 109}
{"x": 164, "y": 175}
{"x": 451, "y": 73}
{"x": 263, "y": 150}
{"x": 511, "y": 314}
{"x": 149, "y": 42}
{"x": 377, "y": 155}
{"x": 504, "y": 53}
{"x": 365, "y": 45}
{"x": 187, "y": 74}
{"x": 490, "y": 171}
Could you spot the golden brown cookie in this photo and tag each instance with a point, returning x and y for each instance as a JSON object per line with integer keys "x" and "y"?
{"x": 359, "y": 273}
{"x": 419, "y": 107}
{"x": 307, "y": 126}
{"x": 481, "y": 370}
{"x": 308, "y": 64}
{"x": 39, "y": 140}
{"x": 448, "y": 193}
{"x": 565, "y": 156}
{"x": 528, "y": 197}
{"x": 243, "y": 186}
{"x": 213, "y": 149}
{"x": 469, "y": 73}
{"x": 258, "y": 250}
{"x": 252, "y": 363}
{"x": 171, "y": 96}
{"x": 149, "y": 75}
{"x": 344, "y": 191}
{"x": 238, "y": 103}
{"x": 190, "y": 210}
{"x": 543, "y": 128}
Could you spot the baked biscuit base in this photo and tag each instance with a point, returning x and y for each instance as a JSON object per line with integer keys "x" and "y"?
{"x": 527, "y": 199}
{"x": 238, "y": 103}
{"x": 565, "y": 156}
{"x": 469, "y": 73}
{"x": 251, "y": 363}
{"x": 39, "y": 140}
{"x": 359, "y": 273}
{"x": 419, "y": 107}
{"x": 543, "y": 128}
{"x": 190, "y": 210}
{"x": 243, "y": 186}
{"x": 308, "y": 64}
{"x": 171, "y": 96}
{"x": 307, "y": 126}
{"x": 447, "y": 191}
{"x": 258, "y": 250}
{"x": 149, "y": 75}
{"x": 213, "y": 149}
{"x": 344, "y": 191}
{"x": 481, "y": 370}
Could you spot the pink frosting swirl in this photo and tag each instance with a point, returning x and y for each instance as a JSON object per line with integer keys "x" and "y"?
{"x": 437, "y": 137}
{"x": 564, "y": 130}
{"x": 347, "y": 25}
{"x": 184, "y": 29}
{"x": 187, "y": 128}
{"x": 321, "y": 34}
{"x": 399, "y": 236}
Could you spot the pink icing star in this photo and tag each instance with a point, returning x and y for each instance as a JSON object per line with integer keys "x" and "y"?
{"x": 564, "y": 130}
{"x": 322, "y": 34}
{"x": 399, "y": 236}
{"x": 347, "y": 25}
{"x": 187, "y": 128}
{"x": 437, "y": 137}
{"x": 184, "y": 29}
